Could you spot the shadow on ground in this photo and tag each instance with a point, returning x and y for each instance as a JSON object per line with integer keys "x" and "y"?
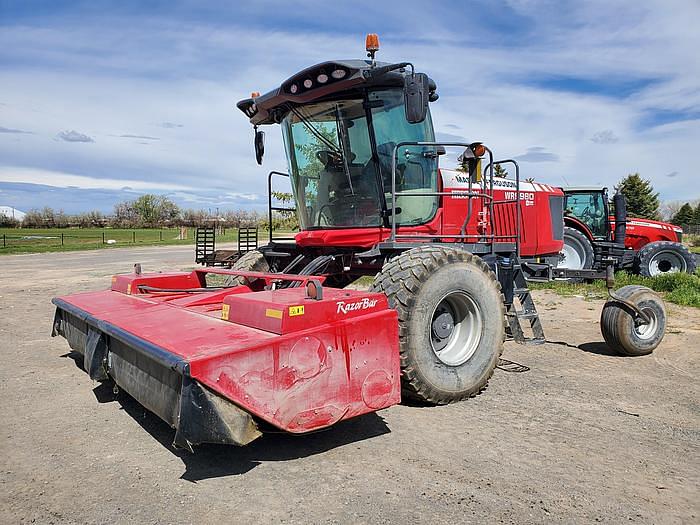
{"x": 598, "y": 347}
{"x": 214, "y": 461}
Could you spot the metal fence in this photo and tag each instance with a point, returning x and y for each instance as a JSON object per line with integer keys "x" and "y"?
{"x": 691, "y": 229}
{"x": 77, "y": 238}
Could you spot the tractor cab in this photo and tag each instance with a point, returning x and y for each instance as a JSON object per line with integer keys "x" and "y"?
{"x": 341, "y": 122}
{"x": 589, "y": 206}
{"x": 340, "y": 151}
{"x": 363, "y": 166}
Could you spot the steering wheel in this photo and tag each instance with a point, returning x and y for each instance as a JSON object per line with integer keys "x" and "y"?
{"x": 330, "y": 159}
{"x": 586, "y": 214}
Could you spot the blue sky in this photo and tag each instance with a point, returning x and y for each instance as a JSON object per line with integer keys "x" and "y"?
{"x": 102, "y": 101}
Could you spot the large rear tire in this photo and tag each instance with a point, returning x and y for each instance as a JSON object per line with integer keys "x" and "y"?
{"x": 252, "y": 261}
{"x": 660, "y": 257}
{"x": 577, "y": 253}
{"x": 623, "y": 332}
{"x": 451, "y": 321}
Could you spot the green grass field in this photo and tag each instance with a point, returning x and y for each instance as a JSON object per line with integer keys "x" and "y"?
{"x": 678, "y": 288}
{"x": 693, "y": 242}
{"x": 682, "y": 289}
{"x": 29, "y": 240}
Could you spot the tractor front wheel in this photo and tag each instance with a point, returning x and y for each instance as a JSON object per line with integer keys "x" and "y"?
{"x": 626, "y": 332}
{"x": 577, "y": 253}
{"x": 451, "y": 321}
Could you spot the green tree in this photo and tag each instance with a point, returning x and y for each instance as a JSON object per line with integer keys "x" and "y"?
{"x": 686, "y": 215}
{"x": 697, "y": 214}
{"x": 310, "y": 167}
{"x": 500, "y": 171}
{"x": 7, "y": 221}
{"x": 148, "y": 211}
{"x": 286, "y": 220}
{"x": 642, "y": 200}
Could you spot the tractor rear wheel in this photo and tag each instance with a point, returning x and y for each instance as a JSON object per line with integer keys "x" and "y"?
{"x": 252, "y": 261}
{"x": 577, "y": 252}
{"x": 451, "y": 321}
{"x": 657, "y": 258}
{"x": 627, "y": 334}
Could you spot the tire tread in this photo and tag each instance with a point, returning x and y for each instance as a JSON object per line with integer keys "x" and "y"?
{"x": 399, "y": 280}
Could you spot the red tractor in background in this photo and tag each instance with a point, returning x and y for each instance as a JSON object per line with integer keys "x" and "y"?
{"x": 283, "y": 343}
{"x": 651, "y": 247}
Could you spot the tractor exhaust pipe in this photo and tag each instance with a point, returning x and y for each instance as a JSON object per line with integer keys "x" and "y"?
{"x": 620, "y": 217}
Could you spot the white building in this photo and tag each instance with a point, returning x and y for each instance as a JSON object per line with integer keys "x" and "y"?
{"x": 9, "y": 211}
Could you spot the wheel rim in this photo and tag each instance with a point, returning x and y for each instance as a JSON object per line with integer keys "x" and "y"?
{"x": 647, "y": 330}
{"x": 666, "y": 262}
{"x": 456, "y": 326}
{"x": 572, "y": 255}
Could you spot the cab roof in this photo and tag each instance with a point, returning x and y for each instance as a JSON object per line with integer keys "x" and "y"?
{"x": 341, "y": 78}
{"x": 582, "y": 189}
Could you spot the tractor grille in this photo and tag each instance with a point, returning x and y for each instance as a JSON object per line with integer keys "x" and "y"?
{"x": 556, "y": 212}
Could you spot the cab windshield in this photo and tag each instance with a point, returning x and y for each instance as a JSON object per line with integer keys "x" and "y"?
{"x": 338, "y": 182}
{"x": 589, "y": 208}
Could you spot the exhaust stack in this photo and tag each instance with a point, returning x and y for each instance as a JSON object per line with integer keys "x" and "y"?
{"x": 620, "y": 217}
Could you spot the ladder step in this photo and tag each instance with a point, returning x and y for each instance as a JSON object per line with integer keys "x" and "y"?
{"x": 535, "y": 341}
{"x": 525, "y": 314}
{"x": 519, "y": 291}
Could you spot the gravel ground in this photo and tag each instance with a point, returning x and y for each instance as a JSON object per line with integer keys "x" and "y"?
{"x": 584, "y": 436}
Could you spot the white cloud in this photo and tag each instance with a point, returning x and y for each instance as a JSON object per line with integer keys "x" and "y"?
{"x": 66, "y": 180}
{"x": 179, "y": 80}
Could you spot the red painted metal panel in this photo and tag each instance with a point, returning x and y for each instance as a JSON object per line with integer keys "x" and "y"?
{"x": 641, "y": 232}
{"x": 336, "y": 360}
{"x": 284, "y": 311}
{"x": 536, "y": 235}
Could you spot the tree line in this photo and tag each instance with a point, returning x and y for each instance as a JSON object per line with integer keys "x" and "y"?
{"x": 157, "y": 211}
{"x": 147, "y": 211}
{"x": 643, "y": 202}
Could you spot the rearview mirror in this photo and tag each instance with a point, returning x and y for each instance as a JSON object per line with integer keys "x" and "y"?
{"x": 259, "y": 146}
{"x": 415, "y": 93}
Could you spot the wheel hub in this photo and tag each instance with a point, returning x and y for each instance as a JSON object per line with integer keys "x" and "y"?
{"x": 443, "y": 325}
{"x": 455, "y": 330}
{"x": 666, "y": 262}
{"x": 572, "y": 255}
{"x": 647, "y": 330}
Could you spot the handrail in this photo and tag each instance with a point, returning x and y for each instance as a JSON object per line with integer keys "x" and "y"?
{"x": 488, "y": 196}
{"x": 518, "y": 211}
{"x": 270, "y": 207}
{"x": 265, "y": 276}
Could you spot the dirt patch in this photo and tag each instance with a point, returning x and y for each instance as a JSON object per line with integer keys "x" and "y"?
{"x": 583, "y": 436}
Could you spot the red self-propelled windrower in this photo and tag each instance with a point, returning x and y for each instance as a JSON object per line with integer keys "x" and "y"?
{"x": 216, "y": 362}
{"x": 449, "y": 253}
